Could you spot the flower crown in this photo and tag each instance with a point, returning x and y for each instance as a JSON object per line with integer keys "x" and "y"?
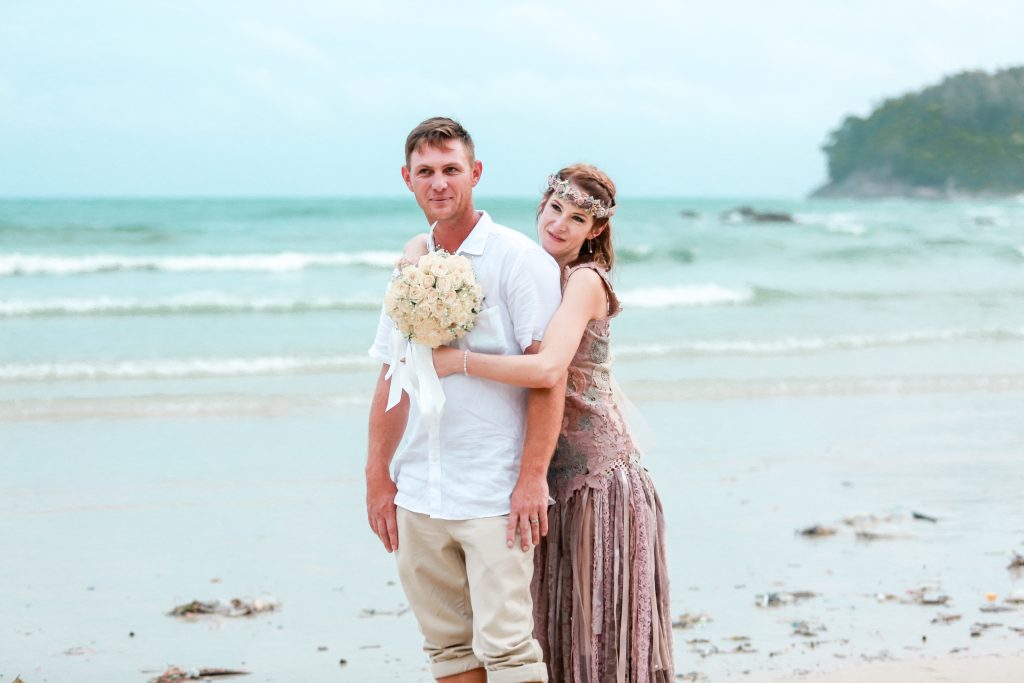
{"x": 592, "y": 205}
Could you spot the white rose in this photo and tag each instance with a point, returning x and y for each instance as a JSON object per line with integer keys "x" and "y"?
{"x": 427, "y": 260}
{"x": 412, "y": 276}
{"x": 416, "y": 293}
{"x": 443, "y": 284}
{"x": 440, "y": 268}
{"x": 428, "y": 281}
{"x": 422, "y": 311}
{"x": 431, "y": 338}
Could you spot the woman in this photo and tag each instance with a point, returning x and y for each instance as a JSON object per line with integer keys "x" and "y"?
{"x": 600, "y": 582}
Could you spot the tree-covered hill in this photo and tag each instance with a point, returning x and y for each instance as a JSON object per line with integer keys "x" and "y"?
{"x": 962, "y": 137}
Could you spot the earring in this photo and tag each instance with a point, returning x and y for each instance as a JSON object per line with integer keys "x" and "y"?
{"x": 590, "y": 246}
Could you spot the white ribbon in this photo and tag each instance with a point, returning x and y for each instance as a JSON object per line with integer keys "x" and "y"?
{"x": 416, "y": 376}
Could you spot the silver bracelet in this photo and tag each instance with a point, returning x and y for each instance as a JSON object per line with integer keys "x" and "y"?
{"x": 465, "y": 362}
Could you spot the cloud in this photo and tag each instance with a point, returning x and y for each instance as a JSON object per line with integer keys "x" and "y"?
{"x": 286, "y": 43}
{"x": 293, "y": 101}
{"x": 6, "y": 91}
{"x": 565, "y": 38}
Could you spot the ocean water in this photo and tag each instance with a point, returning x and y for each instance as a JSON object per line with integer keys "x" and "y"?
{"x": 122, "y": 307}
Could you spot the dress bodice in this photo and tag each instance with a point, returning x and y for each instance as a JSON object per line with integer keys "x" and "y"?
{"x": 594, "y": 438}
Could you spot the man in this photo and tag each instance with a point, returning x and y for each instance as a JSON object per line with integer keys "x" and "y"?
{"x": 453, "y": 523}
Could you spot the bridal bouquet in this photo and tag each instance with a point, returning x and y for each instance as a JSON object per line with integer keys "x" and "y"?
{"x": 436, "y": 301}
{"x": 432, "y": 303}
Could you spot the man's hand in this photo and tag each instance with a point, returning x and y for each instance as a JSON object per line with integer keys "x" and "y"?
{"x": 386, "y": 428}
{"x": 529, "y": 514}
{"x": 381, "y": 510}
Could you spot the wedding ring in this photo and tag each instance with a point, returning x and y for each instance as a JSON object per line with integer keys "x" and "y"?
{"x": 534, "y": 521}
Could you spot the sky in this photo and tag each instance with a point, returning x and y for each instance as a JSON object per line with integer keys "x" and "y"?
{"x": 315, "y": 97}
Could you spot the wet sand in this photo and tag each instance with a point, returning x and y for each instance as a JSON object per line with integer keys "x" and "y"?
{"x": 109, "y": 521}
{"x": 989, "y": 669}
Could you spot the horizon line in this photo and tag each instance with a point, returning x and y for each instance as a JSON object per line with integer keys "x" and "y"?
{"x": 343, "y": 197}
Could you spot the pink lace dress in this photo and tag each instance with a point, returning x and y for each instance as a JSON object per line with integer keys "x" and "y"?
{"x": 600, "y": 583}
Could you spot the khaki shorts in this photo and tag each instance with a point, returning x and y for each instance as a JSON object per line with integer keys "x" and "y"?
{"x": 471, "y": 596}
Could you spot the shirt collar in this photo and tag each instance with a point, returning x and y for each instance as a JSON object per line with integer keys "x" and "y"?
{"x": 475, "y": 240}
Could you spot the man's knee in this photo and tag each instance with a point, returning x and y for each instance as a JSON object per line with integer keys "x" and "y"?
{"x": 499, "y": 582}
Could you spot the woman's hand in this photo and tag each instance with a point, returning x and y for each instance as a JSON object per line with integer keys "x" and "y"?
{"x": 413, "y": 250}
{"x": 447, "y": 360}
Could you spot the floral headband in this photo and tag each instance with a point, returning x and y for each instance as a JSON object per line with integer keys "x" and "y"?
{"x": 592, "y": 205}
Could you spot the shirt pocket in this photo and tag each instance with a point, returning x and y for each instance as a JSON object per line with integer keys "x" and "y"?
{"x": 488, "y": 333}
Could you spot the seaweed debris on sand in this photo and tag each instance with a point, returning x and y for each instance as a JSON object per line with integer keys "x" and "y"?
{"x": 175, "y": 674}
{"x": 236, "y": 607}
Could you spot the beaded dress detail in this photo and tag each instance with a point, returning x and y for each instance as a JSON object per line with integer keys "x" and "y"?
{"x": 600, "y": 582}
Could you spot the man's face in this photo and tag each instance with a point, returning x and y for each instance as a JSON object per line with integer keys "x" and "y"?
{"x": 442, "y": 180}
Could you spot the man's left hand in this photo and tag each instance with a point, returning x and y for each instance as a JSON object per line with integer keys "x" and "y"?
{"x": 529, "y": 514}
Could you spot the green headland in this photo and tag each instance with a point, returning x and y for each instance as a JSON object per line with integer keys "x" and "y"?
{"x": 963, "y": 137}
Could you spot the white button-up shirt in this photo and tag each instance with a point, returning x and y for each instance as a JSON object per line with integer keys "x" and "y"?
{"x": 484, "y": 422}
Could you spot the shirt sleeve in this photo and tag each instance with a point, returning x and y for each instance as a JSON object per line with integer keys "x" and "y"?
{"x": 381, "y": 349}
{"x": 534, "y": 294}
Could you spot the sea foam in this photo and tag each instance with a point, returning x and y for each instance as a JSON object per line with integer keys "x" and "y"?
{"x": 685, "y": 295}
{"x": 798, "y": 345}
{"x": 174, "y": 368}
{"x": 842, "y": 223}
{"x": 197, "y": 303}
{"x": 36, "y": 264}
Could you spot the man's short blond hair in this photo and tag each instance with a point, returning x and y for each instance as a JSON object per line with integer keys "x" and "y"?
{"x": 437, "y": 132}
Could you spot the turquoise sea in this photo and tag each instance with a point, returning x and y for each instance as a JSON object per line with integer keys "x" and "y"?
{"x": 129, "y": 306}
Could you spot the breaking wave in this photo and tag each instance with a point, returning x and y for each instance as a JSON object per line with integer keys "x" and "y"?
{"x": 181, "y": 368}
{"x": 181, "y": 305}
{"x": 644, "y": 253}
{"x": 686, "y": 295}
{"x": 34, "y": 264}
{"x": 842, "y": 223}
{"x": 798, "y": 345}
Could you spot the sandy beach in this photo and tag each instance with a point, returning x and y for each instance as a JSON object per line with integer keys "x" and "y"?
{"x": 990, "y": 669}
{"x": 102, "y": 540}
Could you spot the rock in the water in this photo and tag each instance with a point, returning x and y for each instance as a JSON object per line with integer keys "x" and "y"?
{"x": 747, "y": 213}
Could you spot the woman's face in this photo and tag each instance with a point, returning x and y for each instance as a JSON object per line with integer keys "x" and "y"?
{"x": 562, "y": 228}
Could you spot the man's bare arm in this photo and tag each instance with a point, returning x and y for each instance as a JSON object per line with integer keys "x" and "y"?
{"x": 544, "y": 409}
{"x": 386, "y": 429}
